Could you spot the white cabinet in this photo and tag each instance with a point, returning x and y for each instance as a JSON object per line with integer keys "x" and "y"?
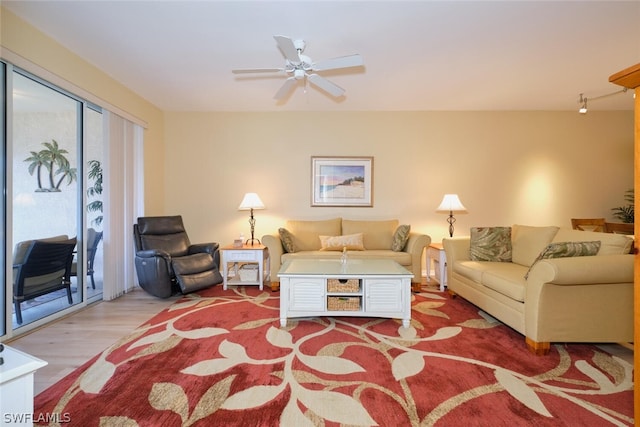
{"x": 383, "y": 296}
{"x": 308, "y": 295}
{"x": 371, "y": 297}
{"x": 16, "y": 386}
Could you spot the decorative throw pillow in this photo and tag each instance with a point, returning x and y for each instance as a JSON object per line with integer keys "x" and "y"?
{"x": 287, "y": 240}
{"x": 353, "y": 242}
{"x": 490, "y": 244}
{"x": 567, "y": 249}
{"x": 400, "y": 238}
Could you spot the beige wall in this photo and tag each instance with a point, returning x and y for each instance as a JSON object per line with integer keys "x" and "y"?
{"x": 535, "y": 168}
{"x": 24, "y": 40}
{"x": 507, "y": 167}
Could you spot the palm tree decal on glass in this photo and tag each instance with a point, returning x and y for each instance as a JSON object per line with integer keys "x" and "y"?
{"x": 53, "y": 159}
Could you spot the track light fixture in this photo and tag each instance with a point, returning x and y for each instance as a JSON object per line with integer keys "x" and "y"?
{"x": 583, "y": 99}
{"x": 583, "y": 104}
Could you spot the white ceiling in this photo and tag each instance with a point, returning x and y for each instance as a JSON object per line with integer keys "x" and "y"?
{"x": 419, "y": 55}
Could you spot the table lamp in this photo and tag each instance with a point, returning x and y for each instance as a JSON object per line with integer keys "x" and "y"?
{"x": 250, "y": 202}
{"x": 451, "y": 204}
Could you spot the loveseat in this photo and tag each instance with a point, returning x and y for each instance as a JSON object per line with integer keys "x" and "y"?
{"x": 550, "y": 284}
{"x": 325, "y": 239}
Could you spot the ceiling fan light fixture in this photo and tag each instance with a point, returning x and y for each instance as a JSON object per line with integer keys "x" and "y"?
{"x": 301, "y": 67}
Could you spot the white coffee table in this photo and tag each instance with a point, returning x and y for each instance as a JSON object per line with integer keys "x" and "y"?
{"x": 376, "y": 288}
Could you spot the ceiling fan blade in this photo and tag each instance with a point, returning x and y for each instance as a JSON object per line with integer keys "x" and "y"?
{"x": 285, "y": 88}
{"x": 288, "y": 48}
{"x": 340, "y": 62}
{"x": 326, "y": 85}
{"x": 257, "y": 70}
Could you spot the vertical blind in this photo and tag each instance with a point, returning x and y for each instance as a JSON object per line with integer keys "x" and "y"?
{"x": 122, "y": 202}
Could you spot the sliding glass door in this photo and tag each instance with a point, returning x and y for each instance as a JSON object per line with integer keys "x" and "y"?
{"x": 52, "y": 134}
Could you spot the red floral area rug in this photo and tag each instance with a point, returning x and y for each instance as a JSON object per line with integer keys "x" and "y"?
{"x": 220, "y": 358}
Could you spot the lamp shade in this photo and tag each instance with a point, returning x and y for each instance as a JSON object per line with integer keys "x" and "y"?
{"x": 451, "y": 203}
{"x": 251, "y": 201}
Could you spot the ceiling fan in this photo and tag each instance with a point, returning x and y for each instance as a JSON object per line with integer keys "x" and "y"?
{"x": 298, "y": 66}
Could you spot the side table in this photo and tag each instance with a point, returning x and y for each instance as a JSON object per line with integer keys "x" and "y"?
{"x": 249, "y": 265}
{"x": 435, "y": 252}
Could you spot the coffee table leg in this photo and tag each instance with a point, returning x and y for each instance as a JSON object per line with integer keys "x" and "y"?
{"x": 283, "y": 322}
{"x": 406, "y": 322}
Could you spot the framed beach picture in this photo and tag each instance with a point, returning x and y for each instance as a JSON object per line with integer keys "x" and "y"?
{"x": 342, "y": 181}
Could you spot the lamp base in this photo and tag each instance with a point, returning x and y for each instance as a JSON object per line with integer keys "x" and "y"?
{"x": 250, "y": 241}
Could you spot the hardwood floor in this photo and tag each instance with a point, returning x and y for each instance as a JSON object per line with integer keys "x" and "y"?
{"x": 71, "y": 341}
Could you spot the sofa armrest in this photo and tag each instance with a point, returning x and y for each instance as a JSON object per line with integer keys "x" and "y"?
{"x": 273, "y": 243}
{"x": 586, "y": 298}
{"x": 415, "y": 246}
{"x": 584, "y": 270}
{"x": 456, "y": 248}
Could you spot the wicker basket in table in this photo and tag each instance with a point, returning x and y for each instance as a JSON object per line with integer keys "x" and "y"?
{"x": 342, "y": 285}
{"x": 343, "y": 303}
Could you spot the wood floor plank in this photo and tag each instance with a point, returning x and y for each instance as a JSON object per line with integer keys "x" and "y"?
{"x": 68, "y": 343}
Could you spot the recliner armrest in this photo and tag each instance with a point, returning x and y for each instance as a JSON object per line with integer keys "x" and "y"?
{"x": 209, "y": 248}
{"x": 152, "y": 253}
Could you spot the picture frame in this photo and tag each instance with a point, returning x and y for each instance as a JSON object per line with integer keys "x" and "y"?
{"x": 342, "y": 181}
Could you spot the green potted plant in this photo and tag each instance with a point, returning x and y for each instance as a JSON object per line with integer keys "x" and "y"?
{"x": 626, "y": 213}
{"x": 95, "y": 190}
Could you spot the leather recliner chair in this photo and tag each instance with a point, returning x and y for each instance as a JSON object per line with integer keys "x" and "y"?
{"x": 166, "y": 261}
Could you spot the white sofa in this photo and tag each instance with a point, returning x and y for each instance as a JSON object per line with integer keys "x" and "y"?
{"x": 565, "y": 299}
{"x": 377, "y": 242}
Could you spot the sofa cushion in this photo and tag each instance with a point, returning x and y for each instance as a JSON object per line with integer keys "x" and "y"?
{"x": 400, "y": 238}
{"x": 506, "y": 278}
{"x": 306, "y": 234}
{"x": 352, "y": 242}
{"x": 490, "y": 244}
{"x": 472, "y": 270}
{"x": 287, "y": 240}
{"x": 611, "y": 244}
{"x": 377, "y": 234}
{"x": 566, "y": 250}
{"x": 527, "y": 242}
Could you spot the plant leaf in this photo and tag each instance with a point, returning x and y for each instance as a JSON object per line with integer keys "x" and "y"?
{"x": 279, "y": 338}
{"x": 151, "y": 339}
{"x": 406, "y": 365}
{"x": 201, "y": 333}
{"x": 293, "y": 416}
{"x": 169, "y": 397}
{"x": 232, "y": 350}
{"x": 210, "y": 367}
{"x": 94, "y": 378}
{"x": 253, "y": 396}
{"x": 521, "y": 391}
{"x": 331, "y": 364}
{"x": 336, "y": 407}
{"x": 596, "y": 375}
{"x": 212, "y": 399}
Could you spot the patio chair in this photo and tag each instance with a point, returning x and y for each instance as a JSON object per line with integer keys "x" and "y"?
{"x": 45, "y": 268}
{"x": 93, "y": 240}
{"x": 167, "y": 262}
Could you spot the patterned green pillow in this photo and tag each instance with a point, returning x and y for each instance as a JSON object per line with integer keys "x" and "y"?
{"x": 567, "y": 249}
{"x": 490, "y": 244}
{"x": 400, "y": 238}
{"x": 287, "y": 240}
